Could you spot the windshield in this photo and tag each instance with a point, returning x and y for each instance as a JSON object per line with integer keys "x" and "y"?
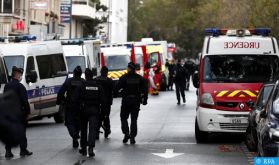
{"x": 74, "y": 61}
{"x": 240, "y": 68}
{"x": 139, "y": 59}
{"x": 11, "y": 61}
{"x": 117, "y": 62}
{"x": 3, "y": 77}
{"x": 153, "y": 58}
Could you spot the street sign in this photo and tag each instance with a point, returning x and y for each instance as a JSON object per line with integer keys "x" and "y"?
{"x": 65, "y": 11}
{"x": 168, "y": 154}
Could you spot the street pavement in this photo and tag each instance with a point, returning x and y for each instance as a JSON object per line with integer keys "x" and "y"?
{"x": 165, "y": 136}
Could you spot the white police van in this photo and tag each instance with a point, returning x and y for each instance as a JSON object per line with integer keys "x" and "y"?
{"x": 82, "y": 52}
{"x": 45, "y": 70}
{"x": 3, "y": 75}
{"x": 234, "y": 65}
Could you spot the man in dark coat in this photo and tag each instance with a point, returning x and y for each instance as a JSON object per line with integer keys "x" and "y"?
{"x": 107, "y": 85}
{"x": 15, "y": 86}
{"x": 189, "y": 67}
{"x": 134, "y": 92}
{"x": 72, "y": 87}
{"x": 180, "y": 81}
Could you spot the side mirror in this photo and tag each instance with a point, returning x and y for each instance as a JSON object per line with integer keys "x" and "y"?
{"x": 196, "y": 82}
{"x": 275, "y": 136}
{"x": 31, "y": 77}
{"x": 95, "y": 72}
{"x": 137, "y": 66}
{"x": 250, "y": 104}
{"x": 263, "y": 114}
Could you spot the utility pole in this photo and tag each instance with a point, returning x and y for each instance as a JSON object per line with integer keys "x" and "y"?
{"x": 70, "y": 30}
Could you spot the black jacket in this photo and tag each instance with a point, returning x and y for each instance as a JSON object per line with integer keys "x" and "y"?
{"x": 133, "y": 84}
{"x": 21, "y": 92}
{"x": 179, "y": 74}
{"x": 107, "y": 85}
{"x": 72, "y": 87}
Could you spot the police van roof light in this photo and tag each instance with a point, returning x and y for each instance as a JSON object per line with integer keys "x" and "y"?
{"x": 260, "y": 31}
{"x": 216, "y": 31}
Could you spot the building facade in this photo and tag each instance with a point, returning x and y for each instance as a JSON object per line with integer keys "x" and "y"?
{"x": 115, "y": 29}
{"x": 36, "y": 17}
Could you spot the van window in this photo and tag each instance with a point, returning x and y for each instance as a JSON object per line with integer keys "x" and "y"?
{"x": 3, "y": 77}
{"x": 74, "y": 61}
{"x": 117, "y": 62}
{"x": 11, "y": 61}
{"x": 240, "y": 68}
{"x": 139, "y": 59}
{"x": 51, "y": 66}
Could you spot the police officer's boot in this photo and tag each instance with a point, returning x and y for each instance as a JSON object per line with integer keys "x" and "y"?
{"x": 25, "y": 152}
{"x": 75, "y": 143}
{"x": 132, "y": 140}
{"x": 91, "y": 152}
{"x": 126, "y": 138}
{"x": 83, "y": 151}
{"x": 107, "y": 133}
{"x": 184, "y": 100}
{"x": 9, "y": 154}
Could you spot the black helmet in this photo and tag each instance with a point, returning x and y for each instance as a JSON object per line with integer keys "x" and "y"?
{"x": 77, "y": 71}
{"x": 132, "y": 65}
{"x": 88, "y": 73}
{"x": 104, "y": 71}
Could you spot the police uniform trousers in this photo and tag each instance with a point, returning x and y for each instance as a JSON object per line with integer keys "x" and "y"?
{"x": 130, "y": 107}
{"x": 104, "y": 117}
{"x": 72, "y": 119}
{"x": 23, "y": 138}
{"x": 180, "y": 90}
{"x": 89, "y": 117}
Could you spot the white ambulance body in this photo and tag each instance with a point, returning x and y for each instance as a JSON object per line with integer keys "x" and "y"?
{"x": 86, "y": 54}
{"x": 45, "y": 71}
{"x": 234, "y": 64}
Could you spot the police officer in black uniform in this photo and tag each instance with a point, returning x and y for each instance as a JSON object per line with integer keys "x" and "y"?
{"x": 72, "y": 87}
{"x": 107, "y": 85}
{"x": 189, "y": 67}
{"x": 180, "y": 81}
{"x": 134, "y": 92}
{"x": 93, "y": 96}
{"x": 15, "y": 86}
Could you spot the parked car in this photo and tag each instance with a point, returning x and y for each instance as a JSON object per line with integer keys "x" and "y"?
{"x": 268, "y": 125}
{"x": 251, "y": 139}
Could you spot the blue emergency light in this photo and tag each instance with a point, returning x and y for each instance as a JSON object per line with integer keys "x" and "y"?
{"x": 262, "y": 31}
{"x": 25, "y": 38}
{"x": 213, "y": 31}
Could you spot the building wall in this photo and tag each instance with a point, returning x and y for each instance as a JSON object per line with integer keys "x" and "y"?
{"x": 115, "y": 30}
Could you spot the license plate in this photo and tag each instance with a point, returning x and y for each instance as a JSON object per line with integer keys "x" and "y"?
{"x": 237, "y": 121}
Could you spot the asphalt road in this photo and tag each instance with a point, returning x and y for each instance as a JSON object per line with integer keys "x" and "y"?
{"x": 165, "y": 136}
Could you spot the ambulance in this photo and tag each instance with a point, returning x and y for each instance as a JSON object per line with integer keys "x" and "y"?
{"x": 116, "y": 58}
{"x": 234, "y": 64}
{"x": 45, "y": 70}
{"x": 82, "y": 52}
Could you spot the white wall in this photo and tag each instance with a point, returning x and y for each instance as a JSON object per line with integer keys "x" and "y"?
{"x": 116, "y": 28}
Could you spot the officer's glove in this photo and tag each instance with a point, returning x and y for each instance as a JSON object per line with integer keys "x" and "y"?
{"x": 144, "y": 102}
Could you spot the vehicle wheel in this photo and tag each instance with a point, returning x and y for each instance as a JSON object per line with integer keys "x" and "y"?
{"x": 249, "y": 140}
{"x": 60, "y": 115}
{"x": 201, "y": 136}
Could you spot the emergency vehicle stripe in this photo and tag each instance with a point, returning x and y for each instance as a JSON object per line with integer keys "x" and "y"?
{"x": 234, "y": 93}
{"x": 222, "y": 93}
{"x": 249, "y": 93}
